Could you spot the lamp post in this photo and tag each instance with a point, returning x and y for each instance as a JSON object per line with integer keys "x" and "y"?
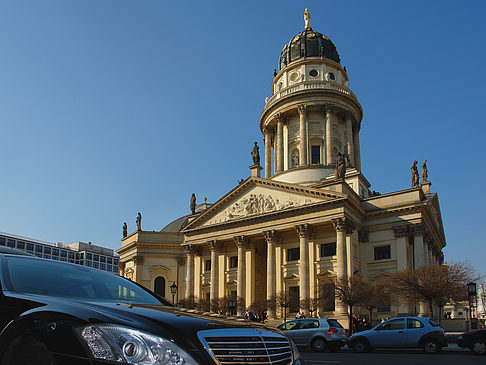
{"x": 471, "y": 291}
{"x": 173, "y": 291}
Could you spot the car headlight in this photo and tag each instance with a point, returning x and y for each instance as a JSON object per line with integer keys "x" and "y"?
{"x": 295, "y": 351}
{"x": 130, "y": 346}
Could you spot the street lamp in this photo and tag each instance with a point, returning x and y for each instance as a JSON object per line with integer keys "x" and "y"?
{"x": 173, "y": 291}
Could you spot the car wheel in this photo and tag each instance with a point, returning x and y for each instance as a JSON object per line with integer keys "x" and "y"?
{"x": 360, "y": 346}
{"x": 32, "y": 352}
{"x": 431, "y": 347}
{"x": 479, "y": 348}
{"x": 319, "y": 344}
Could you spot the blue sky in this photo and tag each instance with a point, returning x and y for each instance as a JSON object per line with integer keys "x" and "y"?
{"x": 108, "y": 108}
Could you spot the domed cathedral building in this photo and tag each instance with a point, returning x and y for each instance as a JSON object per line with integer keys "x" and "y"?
{"x": 310, "y": 219}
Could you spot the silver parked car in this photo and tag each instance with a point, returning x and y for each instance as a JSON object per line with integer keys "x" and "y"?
{"x": 318, "y": 333}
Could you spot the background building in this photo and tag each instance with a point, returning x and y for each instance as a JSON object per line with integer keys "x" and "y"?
{"x": 311, "y": 218}
{"x": 77, "y": 253}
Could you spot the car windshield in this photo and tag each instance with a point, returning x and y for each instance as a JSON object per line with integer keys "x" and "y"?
{"x": 44, "y": 277}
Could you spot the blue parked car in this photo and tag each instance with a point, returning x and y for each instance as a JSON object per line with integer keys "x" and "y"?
{"x": 403, "y": 332}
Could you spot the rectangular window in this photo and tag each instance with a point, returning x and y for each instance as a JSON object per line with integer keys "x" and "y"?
{"x": 115, "y": 261}
{"x": 109, "y": 260}
{"x": 55, "y": 258}
{"x": 109, "y": 268}
{"x": 2, "y": 241}
{"x": 63, "y": 259}
{"x": 55, "y": 251}
{"x": 293, "y": 299}
{"x": 327, "y": 292}
{"x": 115, "y": 268}
{"x": 89, "y": 263}
{"x": 71, "y": 261}
{"x": 81, "y": 256}
{"x": 39, "y": 255}
{"x": 233, "y": 262}
{"x": 63, "y": 254}
{"x": 102, "y": 259}
{"x": 89, "y": 256}
{"x": 11, "y": 243}
{"x": 315, "y": 154}
{"x": 47, "y": 250}
{"x": 328, "y": 249}
{"x": 96, "y": 257}
{"x": 207, "y": 266}
{"x": 103, "y": 266}
{"x": 47, "y": 256}
{"x": 81, "y": 262}
{"x": 71, "y": 255}
{"x": 30, "y": 246}
{"x": 293, "y": 254}
{"x": 382, "y": 252}
{"x": 38, "y": 248}
{"x": 21, "y": 245}
{"x": 96, "y": 265}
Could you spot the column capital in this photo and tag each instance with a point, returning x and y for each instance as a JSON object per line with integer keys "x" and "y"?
{"x": 417, "y": 229}
{"x": 215, "y": 246}
{"x": 271, "y": 236}
{"x": 242, "y": 241}
{"x": 363, "y": 236}
{"x": 401, "y": 231}
{"x": 179, "y": 260}
{"x": 343, "y": 224}
{"x": 304, "y": 230}
{"x": 348, "y": 114}
{"x": 138, "y": 259}
{"x": 268, "y": 130}
{"x": 302, "y": 109}
{"x": 192, "y": 250}
{"x": 281, "y": 118}
{"x": 327, "y": 108}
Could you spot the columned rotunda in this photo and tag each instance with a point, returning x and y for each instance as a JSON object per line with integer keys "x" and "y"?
{"x": 310, "y": 219}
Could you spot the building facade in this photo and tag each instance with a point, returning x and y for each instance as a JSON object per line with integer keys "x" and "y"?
{"x": 311, "y": 218}
{"x": 79, "y": 253}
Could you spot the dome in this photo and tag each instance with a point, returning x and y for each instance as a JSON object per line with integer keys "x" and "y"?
{"x": 308, "y": 43}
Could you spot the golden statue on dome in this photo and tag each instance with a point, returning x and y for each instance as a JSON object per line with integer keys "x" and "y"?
{"x": 307, "y": 19}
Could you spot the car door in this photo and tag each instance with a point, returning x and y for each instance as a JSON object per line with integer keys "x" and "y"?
{"x": 306, "y": 330}
{"x": 390, "y": 334}
{"x": 291, "y": 330}
{"x": 415, "y": 330}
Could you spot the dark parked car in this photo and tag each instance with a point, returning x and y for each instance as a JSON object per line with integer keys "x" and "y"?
{"x": 320, "y": 334}
{"x": 404, "y": 332}
{"x": 61, "y": 313}
{"x": 474, "y": 340}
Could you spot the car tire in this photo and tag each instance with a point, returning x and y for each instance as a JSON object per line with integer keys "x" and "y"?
{"x": 360, "y": 346}
{"x": 479, "y": 348}
{"x": 30, "y": 352}
{"x": 431, "y": 347}
{"x": 318, "y": 344}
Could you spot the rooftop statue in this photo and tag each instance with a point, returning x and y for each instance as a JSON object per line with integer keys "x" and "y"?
{"x": 340, "y": 166}
{"x": 193, "y": 203}
{"x": 255, "y": 154}
{"x": 415, "y": 174}
{"x": 425, "y": 172}
{"x": 125, "y": 229}
{"x": 307, "y": 19}
{"x": 139, "y": 222}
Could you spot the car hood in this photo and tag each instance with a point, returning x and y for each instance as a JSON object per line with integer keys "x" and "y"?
{"x": 362, "y": 333}
{"x": 176, "y": 324}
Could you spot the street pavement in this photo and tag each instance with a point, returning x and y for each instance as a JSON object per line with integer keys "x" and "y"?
{"x": 451, "y": 356}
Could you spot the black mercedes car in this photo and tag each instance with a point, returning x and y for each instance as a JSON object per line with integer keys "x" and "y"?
{"x": 474, "y": 340}
{"x": 55, "y": 313}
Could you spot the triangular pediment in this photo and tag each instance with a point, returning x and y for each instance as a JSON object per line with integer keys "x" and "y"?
{"x": 381, "y": 276}
{"x": 290, "y": 277}
{"x": 257, "y": 197}
{"x": 326, "y": 274}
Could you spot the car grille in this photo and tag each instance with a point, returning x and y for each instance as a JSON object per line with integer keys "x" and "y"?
{"x": 246, "y": 346}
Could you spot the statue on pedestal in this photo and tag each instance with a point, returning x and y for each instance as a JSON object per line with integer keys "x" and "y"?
{"x": 125, "y": 229}
{"x": 139, "y": 222}
{"x": 193, "y": 203}
{"x": 255, "y": 154}
{"x": 340, "y": 166}
{"x": 307, "y": 19}
{"x": 415, "y": 174}
{"x": 425, "y": 172}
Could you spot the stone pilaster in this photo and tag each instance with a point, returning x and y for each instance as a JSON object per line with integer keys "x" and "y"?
{"x": 191, "y": 250}
{"x": 349, "y": 248}
{"x": 215, "y": 247}
{"x": 121, "y": 267}
{"x": 242, "y": 243}
{"x": 357, "y": 153}
{"x": 341, "y": 226}
{"x": 138, "y": 266}
{"x": 304, "y": 231}
{"x": 280, "y": 120}
{"x": 271, "y": 237}
{"x": 268, "y": 153}
{"x": 348, "y": 116}
{"x": 328, "y": 115}
{"x": 302, "y": 109}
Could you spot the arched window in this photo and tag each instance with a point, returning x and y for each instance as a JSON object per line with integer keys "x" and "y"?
{"x": 159, "y": 286}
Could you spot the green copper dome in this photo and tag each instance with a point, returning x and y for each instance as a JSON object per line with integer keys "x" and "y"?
{"x": 308, "y": 43}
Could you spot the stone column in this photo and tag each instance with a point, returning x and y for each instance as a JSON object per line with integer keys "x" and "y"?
{"x": 190, "y": 250}
{"x": 349, "y": 136}
{"x": 418, "y": 230}
{"x": 138, "y": 266}
{"x": 340, "y": 225}
{"x": 349, "y": 248}
{"x": 328, "y": 114}
{"x": 302, "y": 109}
{"x": 268, "y": 153}
{"x": 401, "y": 240}
{"x": 271, "y": 237}
{"x": 304, "y": 231}
{"x": 241, "y": 243}
{"x": 215, "y": 247}
{"x": 280, "y": 120}
{"x": 357, "y": 154}
{"x": 121, "y": 267}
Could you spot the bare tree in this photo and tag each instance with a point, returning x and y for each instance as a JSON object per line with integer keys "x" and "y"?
{"x": 189, "y": 302}
{"x": 434, "y": 284}
{"x": 259, "y": 307}
{"x": 327, "y": 296}
{"x": 373, "y": 295}
{"x": 311, "y": 305}
{"x": 350, "y": 291}
{"x": 203, "y": 305}
{"x": 282, "y": 300}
